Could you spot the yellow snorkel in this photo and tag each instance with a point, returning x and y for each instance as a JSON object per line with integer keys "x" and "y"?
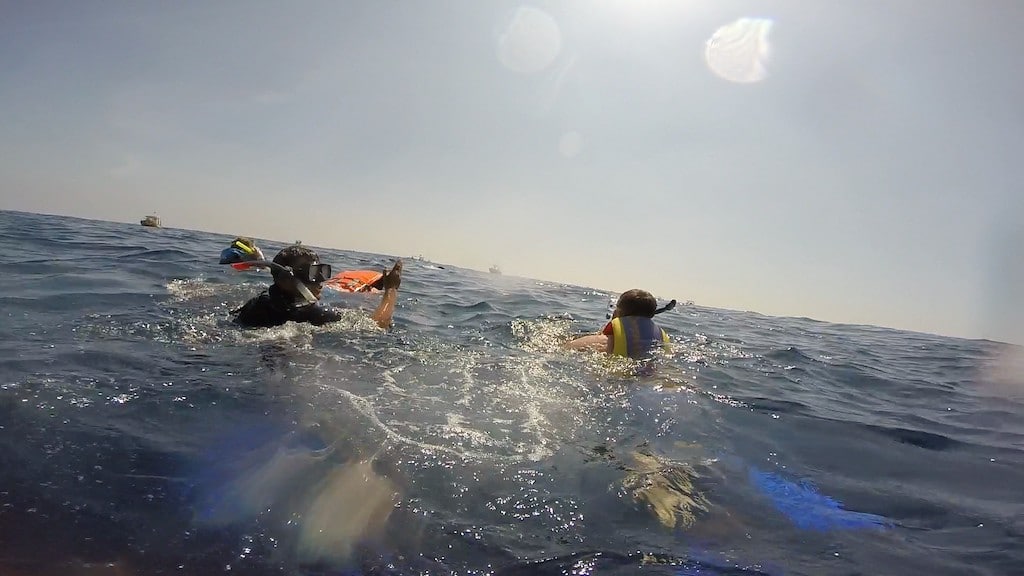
{"x": 244, "y": 247}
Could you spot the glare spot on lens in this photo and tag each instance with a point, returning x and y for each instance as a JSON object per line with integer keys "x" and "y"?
{"x": 530, "y": 42}
{"x": 570, "y": 144}
{"x": 738, "y": 52}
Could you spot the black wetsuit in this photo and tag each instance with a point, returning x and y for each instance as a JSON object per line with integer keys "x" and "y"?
{"x": 274, "y": 308}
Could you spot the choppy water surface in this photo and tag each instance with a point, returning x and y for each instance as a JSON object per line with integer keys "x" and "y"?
{"x": 141, "y": 432}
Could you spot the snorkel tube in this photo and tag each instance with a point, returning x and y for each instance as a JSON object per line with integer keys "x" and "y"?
{"x": 274, "y": 266}
{"x": 666, "y": 307}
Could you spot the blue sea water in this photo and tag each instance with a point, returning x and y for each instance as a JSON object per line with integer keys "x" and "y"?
{"x": 141, "y": 432}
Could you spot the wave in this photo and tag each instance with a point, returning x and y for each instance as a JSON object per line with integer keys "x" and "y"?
{"x": 791, "y": 355}
{"x": 919, "y": 438}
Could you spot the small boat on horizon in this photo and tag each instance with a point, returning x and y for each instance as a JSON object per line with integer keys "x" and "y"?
{"x": 151, "y": 221}
{"x": 494, "y": 269}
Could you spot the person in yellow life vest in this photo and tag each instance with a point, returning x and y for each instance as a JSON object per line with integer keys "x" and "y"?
{"x": 242, "y": 249}
{"x": 631, "y": 332}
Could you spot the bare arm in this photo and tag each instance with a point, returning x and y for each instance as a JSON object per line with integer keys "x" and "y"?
{"x": 386, "y": 309}
{"x": 592, "y": 342}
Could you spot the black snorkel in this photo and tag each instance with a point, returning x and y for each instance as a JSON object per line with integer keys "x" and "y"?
{"x": 275, "y": 267}
{"x": 666, "y": 307}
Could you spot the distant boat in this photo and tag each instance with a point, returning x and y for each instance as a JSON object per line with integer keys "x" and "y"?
{"x": 494, "y": 269}
{"x": 151, "y": 221}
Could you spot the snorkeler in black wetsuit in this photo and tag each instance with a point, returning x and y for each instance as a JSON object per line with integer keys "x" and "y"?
{"x": 298, "y": 280}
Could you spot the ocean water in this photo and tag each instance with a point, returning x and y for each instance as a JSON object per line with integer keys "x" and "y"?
{"x": 141, "y": 432}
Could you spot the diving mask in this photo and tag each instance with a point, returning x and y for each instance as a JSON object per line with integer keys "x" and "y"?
{"x": 314, "y": 274}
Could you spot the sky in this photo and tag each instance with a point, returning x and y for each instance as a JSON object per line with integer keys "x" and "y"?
{"x": 850, "y": 161}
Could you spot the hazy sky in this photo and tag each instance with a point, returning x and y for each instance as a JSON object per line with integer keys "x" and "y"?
{"x": 855, "y": 161}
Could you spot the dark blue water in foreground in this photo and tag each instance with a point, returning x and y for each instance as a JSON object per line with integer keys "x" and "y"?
{"x": 142, "y": 433}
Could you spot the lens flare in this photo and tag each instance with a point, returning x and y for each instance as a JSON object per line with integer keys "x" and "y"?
{"x": 738, "y": 52}
{"x": 530, "y": 42}
{"x": 570, "y": 144}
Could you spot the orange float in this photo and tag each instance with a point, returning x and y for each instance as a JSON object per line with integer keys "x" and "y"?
{"x": 354, "y": 280}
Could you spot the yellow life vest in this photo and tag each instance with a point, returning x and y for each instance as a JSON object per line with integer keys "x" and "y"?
{"x": 635, "y": 336}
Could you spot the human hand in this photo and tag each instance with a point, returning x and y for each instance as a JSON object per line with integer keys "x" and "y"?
{"x": 393, "y": 279}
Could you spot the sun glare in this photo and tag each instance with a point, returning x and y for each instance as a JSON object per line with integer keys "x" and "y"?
{"x": 530, "y": 41}
{"x": 738, "y": 52}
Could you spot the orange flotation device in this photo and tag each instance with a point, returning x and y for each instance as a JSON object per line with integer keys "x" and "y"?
{"x": 354, "y": 280}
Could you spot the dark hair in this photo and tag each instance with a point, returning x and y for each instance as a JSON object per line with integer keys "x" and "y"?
{"x": 295, "y": 257}
{"x": 637, "y": 302}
